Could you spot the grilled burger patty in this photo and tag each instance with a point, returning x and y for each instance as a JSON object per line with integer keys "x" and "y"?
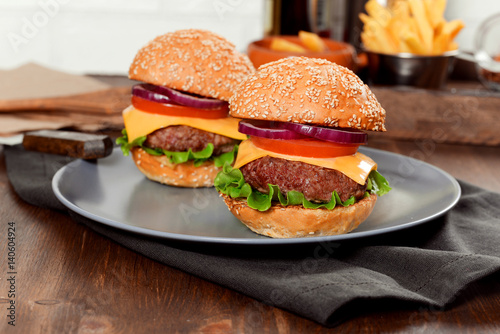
{"x": 179, "y": 138}
{"x": 316, "y": 183}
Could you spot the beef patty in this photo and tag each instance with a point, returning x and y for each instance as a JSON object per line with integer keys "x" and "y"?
{"x": 180, "y": 138}
{"x": 316, "y": 183}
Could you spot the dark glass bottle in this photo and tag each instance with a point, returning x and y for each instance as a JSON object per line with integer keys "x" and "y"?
{"x": 335, "y": 19}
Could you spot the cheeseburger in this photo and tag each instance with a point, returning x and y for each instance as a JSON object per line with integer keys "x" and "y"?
{"x": 299, "y": 174}
{"x": 177, "y": 128}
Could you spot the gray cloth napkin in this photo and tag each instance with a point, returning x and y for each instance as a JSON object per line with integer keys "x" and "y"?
{"x": 425, "y": 266}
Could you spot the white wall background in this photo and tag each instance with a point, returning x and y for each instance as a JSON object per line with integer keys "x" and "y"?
{"x": 473, "y": 13}
{"x": 102, "y": 36}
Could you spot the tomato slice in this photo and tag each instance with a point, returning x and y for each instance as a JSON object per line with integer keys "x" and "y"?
{"x": 309, "y": 147}
{"x": 177, "y": 110}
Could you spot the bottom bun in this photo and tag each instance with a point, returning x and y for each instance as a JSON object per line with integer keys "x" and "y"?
{"x": 296, "y": 221}
{"x": 159, "y": 168}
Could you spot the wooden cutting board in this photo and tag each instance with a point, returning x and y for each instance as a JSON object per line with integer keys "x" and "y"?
{"x": 463, "y": 114}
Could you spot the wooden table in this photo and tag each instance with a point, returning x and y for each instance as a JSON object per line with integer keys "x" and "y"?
{"x": 72, "y": 280}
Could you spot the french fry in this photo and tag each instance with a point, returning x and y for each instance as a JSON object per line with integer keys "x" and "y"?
{"x": 369, "y": 42}
{"x": 382, "y": 37}
{"x": 413, "y": 43}
{"x": 424, "y": 27}
{"x": 280, "y": 44}
{"x": 397, "y": 28}
{"x": 401, "y": 9}
{"x": 439, "y": 28}
{"x": 452, "y": 46}
{"x": 312, "y": 41}
{"x": 308, "y": 41}
{"x": 444, "y": 35}
{"x": 440, "y": 44}
{"x": 413, "y": 27}
{"x": 435, "y": 11}
{"x": 453, "y": 28}
{"x": 364, "y": 18}
{"x": 381, "y": 14}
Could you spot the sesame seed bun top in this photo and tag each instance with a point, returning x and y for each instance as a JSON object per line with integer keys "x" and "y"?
{"x": 308, "y": 90}
{"x": 194, "y": 61}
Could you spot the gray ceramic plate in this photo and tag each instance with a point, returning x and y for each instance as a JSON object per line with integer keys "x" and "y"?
{"x": 113, "y": 192}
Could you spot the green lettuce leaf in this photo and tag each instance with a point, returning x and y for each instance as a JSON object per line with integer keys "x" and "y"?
{"x": 231, "y": 180}
{"x": 198, "y": 157}
{"x": 178, "y": 157}
{"x": 377, "y": 184}
{"x": 229, "y": 157}
{"x": 125, "y": 146}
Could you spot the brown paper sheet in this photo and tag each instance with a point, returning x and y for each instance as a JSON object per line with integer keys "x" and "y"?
{"x": 33, "y": 98}
{"x": 32, "y": 81}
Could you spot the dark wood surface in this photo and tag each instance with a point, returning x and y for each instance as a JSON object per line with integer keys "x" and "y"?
{"x": 72, "y": 280}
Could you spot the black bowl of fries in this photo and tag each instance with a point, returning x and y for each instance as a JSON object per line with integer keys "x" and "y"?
{"x": 406, "y": 69}
{"x": 409, "y": 42}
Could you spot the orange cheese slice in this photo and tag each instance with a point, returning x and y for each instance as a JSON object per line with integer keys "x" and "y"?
{"x": 356, "y": 167}
{"x": 139, "y": 123}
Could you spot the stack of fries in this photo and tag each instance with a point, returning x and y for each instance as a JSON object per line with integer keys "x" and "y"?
{"x": 409, "y": 26}
{"x": 309, "y": 42}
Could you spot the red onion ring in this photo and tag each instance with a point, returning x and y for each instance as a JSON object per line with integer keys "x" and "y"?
{"x": 144, "y": 93}
{"x": 186, "y": 99}
{"x": 335, "y": 135}
{"x": 267, "y": 129}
